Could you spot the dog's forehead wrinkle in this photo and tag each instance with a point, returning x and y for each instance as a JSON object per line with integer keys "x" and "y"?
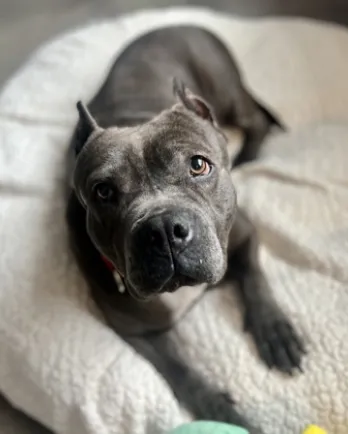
{"x": 169, "y": 138}
{"x": 116, "y": 152}
{"x": 122, "y": 138}
{"x": 178, "y": 127}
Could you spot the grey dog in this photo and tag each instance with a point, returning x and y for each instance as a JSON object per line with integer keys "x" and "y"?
{"x": 152, "y": 197}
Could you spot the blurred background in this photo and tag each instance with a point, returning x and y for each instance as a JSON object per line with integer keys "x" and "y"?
{"x": 25, "y": 24}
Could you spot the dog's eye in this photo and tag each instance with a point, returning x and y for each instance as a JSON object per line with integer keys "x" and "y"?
{"x": 104, "y": 192}
{"x": 199, "y": 166}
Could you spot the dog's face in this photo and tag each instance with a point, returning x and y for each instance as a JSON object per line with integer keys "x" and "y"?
{"x": 159, "y": 198}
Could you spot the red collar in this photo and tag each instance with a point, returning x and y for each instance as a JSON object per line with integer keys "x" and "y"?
{"x": 117, "y": 276}
{"x": 109, "y": 264}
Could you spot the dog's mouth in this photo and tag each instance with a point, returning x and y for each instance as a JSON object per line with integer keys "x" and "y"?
{"x": 166, "y": 276}
{"x": 170, "y": 287}
{"x": 143, "y": 285}
{"x": 177, "y": 282}
{"x": 168, "y": 251}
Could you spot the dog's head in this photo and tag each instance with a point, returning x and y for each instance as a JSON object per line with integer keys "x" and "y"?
{"x": 159, "y": 198}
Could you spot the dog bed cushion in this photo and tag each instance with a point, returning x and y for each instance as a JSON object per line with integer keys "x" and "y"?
{"x": 59, "y": 362}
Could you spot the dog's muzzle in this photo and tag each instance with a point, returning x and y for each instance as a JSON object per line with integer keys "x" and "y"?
{"x": 161, "y": 251}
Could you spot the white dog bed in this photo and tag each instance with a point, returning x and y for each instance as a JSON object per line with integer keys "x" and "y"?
{"x": 58, "y": 361}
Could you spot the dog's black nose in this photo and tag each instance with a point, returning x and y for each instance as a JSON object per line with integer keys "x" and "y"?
{"x": 158, "y": 246}
{"x": 170, "y": 230}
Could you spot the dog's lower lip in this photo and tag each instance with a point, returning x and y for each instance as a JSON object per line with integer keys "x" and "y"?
{"x": 171, "y": 289}
{"x": 182, "y": 281}
{"x": 140, "y": 296}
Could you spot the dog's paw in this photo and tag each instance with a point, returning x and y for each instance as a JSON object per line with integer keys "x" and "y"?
{"x": 277, "y": 341}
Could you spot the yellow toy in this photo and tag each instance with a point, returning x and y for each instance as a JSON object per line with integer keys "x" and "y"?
{"x": 208, "y": 427}
{"x": 313, "y": 429}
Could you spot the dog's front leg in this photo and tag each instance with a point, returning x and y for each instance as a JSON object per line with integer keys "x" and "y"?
{"x": 196, "y": 393}
{"x": 276, "y": 339}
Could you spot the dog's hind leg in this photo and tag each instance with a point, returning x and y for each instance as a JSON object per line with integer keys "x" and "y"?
{"x": 255, "y": 121}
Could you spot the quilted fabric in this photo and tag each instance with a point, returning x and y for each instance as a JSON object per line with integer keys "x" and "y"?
{"x": 58, "y": 361}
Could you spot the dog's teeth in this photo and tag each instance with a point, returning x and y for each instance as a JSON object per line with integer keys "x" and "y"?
{"x": 120, "y": 285}
{"x": 201, "y": 261}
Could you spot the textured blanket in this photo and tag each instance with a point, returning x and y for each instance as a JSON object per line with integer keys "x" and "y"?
{"x": 59, "y": 362}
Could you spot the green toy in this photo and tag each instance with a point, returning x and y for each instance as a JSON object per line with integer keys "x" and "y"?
{"x": 208, "y": 427}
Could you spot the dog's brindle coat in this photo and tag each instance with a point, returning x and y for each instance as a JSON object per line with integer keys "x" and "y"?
{"x": 152, "y": 193}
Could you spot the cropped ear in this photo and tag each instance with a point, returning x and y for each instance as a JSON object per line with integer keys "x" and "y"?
{"x": 193, "y": 102}
{"x": 86, "y": 126}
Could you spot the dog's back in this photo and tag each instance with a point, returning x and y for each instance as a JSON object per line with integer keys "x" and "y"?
{"x": 140, "y": 83}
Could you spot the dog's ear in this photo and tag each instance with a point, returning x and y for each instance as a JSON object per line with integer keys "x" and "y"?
{"x": 193, "y": 102}
{"x": 86, "y": 126}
